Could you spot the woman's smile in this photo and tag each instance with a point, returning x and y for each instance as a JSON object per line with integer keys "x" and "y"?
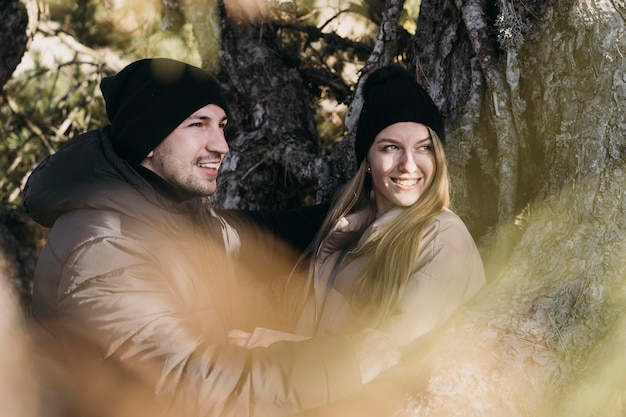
{"x": 402, "y": 164}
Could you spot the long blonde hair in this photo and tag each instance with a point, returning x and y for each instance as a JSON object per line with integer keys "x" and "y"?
{"x": 390, "y": 254}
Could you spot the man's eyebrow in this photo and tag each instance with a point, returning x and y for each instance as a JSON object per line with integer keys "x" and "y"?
{"x": 205, "y": 117}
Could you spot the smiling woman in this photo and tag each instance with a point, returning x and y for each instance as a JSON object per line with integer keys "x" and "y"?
{"x": 391, "y": 254}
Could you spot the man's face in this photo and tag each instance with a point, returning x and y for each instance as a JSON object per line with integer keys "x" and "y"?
{"x": 189, "y": 158}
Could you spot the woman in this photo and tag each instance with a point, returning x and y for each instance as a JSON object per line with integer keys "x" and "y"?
{"x": 391, "y": 254}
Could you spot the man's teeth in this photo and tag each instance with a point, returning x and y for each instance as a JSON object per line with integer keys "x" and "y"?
{"x": 213, "y": 165}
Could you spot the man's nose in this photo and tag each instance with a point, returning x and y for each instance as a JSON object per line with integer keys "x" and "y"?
{"x": 217, "y": 142}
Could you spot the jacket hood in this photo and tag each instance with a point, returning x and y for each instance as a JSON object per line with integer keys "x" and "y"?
{"x": 86, "y": 173}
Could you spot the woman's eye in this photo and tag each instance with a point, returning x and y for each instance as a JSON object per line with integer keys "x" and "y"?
{"x": 390, "y": 148}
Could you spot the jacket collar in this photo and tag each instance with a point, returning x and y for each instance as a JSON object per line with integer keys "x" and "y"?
{"x": 356, "y": 227}
{"x": 86, "y": 173}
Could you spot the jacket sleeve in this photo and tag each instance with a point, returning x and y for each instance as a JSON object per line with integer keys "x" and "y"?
{"x": 450, "y": 272}
{"x": 134, "y": 313}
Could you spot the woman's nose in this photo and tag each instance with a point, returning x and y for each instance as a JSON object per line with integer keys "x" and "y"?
{"x": 408, "y": 162}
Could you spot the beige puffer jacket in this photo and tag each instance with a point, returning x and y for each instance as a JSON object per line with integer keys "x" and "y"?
{"x": 450, "y": 272}
{"x": 128, "y": 273}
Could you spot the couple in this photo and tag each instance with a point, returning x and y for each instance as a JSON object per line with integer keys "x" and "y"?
{"x": 133, "y": 270}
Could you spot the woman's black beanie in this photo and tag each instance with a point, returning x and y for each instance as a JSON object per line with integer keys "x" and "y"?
{"x": 149, "y": 98}
{"x": 391, "y": 94}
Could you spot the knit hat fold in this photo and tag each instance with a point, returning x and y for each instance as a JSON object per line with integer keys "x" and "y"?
{"x": 150, "y": 98}
{"x": 390, "y": 95}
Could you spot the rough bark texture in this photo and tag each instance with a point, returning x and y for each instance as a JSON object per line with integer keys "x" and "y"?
{"x": 466, "y": 54}
{"x": 13, "y": 37}
{"x": 382, "y": 54}
{"x": 272, "y": 162}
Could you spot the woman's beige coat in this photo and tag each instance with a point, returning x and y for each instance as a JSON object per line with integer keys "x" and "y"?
{"x": 448, "y": 271}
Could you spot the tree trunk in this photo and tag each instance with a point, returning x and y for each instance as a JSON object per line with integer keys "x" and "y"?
{"x": 547, "y": 336}
{"x": 16, "y": 256}
{"x": 274, "y": 148}
{"x": 13, "y": 37}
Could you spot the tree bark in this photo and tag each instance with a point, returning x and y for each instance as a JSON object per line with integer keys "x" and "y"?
{"x": 16, "y": 256}
{"x": 273, "y": 161}
{"x": 13, "y": 37}
{"x": 382, "y": 55}
{"x": 547, "y": 336}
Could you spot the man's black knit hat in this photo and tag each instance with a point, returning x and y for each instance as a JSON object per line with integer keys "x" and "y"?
{"x": 390, "y": 95}
{"x": 149, "y": 98}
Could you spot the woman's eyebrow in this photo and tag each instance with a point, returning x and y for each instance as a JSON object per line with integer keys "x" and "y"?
{"x": 393, "y": 140}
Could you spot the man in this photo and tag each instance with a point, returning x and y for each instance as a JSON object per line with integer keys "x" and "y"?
{"x": 137, "y": 266}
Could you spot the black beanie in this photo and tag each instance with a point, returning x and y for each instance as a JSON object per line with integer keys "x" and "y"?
{"x": 149, "y": 98}
{"x": 390, "y": 95}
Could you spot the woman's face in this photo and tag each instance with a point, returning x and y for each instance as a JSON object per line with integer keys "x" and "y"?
{"x": 402, "y": 164}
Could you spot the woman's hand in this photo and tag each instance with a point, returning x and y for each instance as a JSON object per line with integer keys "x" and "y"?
{"x": 260, "y": 337}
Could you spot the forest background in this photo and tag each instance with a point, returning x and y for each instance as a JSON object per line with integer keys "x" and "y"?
{"x": 533, "y": 94}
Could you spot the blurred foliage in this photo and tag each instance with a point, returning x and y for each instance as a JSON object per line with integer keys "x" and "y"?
{"x": 42, "y": 109}
{"x": 373, "y": 10}
{"x": 136, "y": 29}
{"x": 86, "y": 20}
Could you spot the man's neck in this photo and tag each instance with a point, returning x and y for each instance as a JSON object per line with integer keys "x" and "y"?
{"x": 161, "y": 186}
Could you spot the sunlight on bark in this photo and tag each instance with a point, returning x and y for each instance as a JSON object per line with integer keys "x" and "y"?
{"x": 246, "y": 11}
